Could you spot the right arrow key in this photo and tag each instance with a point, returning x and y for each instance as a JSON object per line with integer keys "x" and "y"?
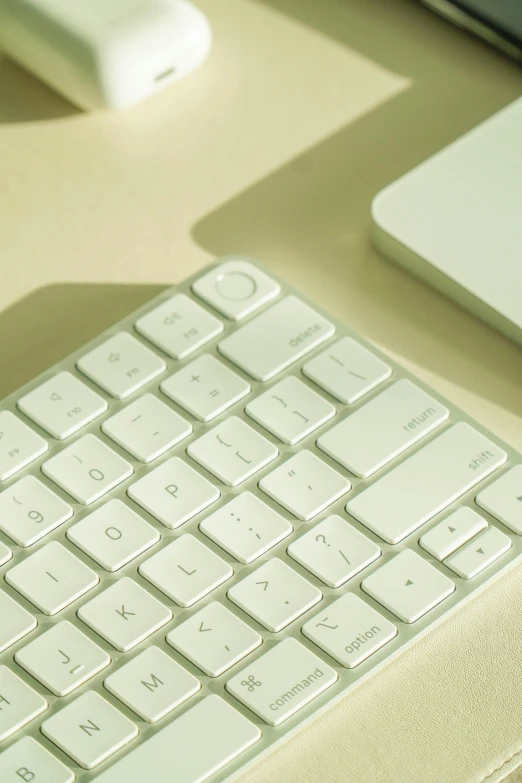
{"x": 481, "y": 551}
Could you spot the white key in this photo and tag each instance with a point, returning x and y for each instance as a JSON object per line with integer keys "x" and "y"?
{"x": 5, "y": 554}
{"x": 430, "y": 480}
{"x": 479, "y": 553}
{"x": 246, "y": 527}
{"x": 87, "y": 469}
{"x": 273, "y": 686}
{"x": 27, "y": 760}
{"x": 305, "y": 485}
{"x": 213, "y": 727}
{"x": 290, "y": 410}
{"x": 236, "y": 289}
{"x": 89, "y": 730}
{"x": 146, "y": 428}
{"x": 29, "y": 511}
{"x": 214, "y": 639}
{"x": 152, "y": 684}
{"x": 408, "y": 586}
{"x": 51, "y": 578}
{"x": 179, "y": 326}
{"x": 62, "y": 658}
{"x": 503, "y": 499}
{"x": 274, "y": 595}
{"x": 383, "y": 428}
{"x": 16, "y": 621}
{"x": 334, "y": 551}
{"x": 232, "y": 451}
{"x": 173, "y": 493}
{"x": 205, "y": 387}
{"x": 113, "y": 535}
{"x": 121, "y": 365}
{"x": 447, "y": 536}
{"x": 349, "y": 630}
{"x": 185, "y": 570}
{"x": 277, "y": 338}
{"x": 62, "y": 405}
{"x": 347, "y": 370}
{"x": 19, "y": 445}
{"x": 124, "y": 614}
{"x": 19, "y": 703}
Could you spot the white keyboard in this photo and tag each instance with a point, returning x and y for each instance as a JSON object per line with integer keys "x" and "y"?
{"x": 216, "y": 520}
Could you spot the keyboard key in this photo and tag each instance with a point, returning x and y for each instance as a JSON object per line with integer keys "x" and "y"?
{"x": 87, "y": 469}
{"x": 236, "y": 289}
{"x": 19, "y": 703}
{"x": 225, "y": 732}
{"x": 246, "y": 527}
{"x": 282, "y": 681}
{"x": 232, "y": 451}
{"x": 62, "y": 658}
{"x": 274, "y": 595}
{"x": 349, "y": 630}
{"x": 121, "y": 365}
{"x": 185, "y": 570}
{"x": 290, "y": 410}
{"x": 124, "y": 614}
{"x": 483, "y": 550}
{"x": 173, "y": 493}
{"x": 113, "y": 535}
{"x": 16, "y": 622}
{"x": 89, "y": 730}
{"x": 27, "y": 761}
{"x": 503, "y": 499}
{"x": 205, "y": 387}
{"x": 179, "y": 326}
{"x": 62, "y": 405}
{"x": 214, "y": 639}
{"x": 334, "y": 551}
{"x": 5, "y": 554}
{"x": 29, "y": 511}
{"x": 408, "y": 586}
{"x": 455, "y": 461}
{"x": 146, "y": 428}
{"x": 452, "y": 532}
{"x": 51, "y": 578}
{"x": 19, "y": 445}
{"x": 347, "y": 370}
{"x": 305, "y": 485}
{"x": 152, "y": 684}
{"x": 277, "y": 338}
{"x": 383, "y": 428}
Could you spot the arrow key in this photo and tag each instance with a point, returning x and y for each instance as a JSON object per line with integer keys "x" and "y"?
{"x": 479, "y": 553}
{"x": 447, "y": 536}
{"x": 408, "y": 586}
{"x": 214, "y": 639}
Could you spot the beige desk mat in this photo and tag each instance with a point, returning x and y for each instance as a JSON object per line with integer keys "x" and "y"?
{"x": 275, "y": 148}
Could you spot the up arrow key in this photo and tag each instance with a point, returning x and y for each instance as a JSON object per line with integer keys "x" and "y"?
{"x": 480, "y": 551}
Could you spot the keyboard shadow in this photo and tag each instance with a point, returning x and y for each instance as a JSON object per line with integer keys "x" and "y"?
{"x": 51, "y": 322}
{"x": 24, "y": 98}
{"x": 310, "y": 220}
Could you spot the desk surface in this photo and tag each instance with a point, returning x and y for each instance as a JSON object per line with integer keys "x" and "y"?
{"x": 275, "y": 148}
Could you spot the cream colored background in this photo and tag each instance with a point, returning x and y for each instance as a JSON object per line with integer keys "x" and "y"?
{"x": 275, "y": 148}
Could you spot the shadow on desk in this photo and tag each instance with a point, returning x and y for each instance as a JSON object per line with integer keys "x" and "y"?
{"x": 24, "y": 98}
{"x": 51, "y": 322}
{"x": 310, "y": 220}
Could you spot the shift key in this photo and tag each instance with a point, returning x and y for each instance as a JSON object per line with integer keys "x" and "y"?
{"x": 282, "y": 681}
{"x": 426, "y": 483}
{"x": 275, "y": 339}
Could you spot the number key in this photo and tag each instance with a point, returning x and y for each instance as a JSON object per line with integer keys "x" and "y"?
{"x": 29, "y": 511}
